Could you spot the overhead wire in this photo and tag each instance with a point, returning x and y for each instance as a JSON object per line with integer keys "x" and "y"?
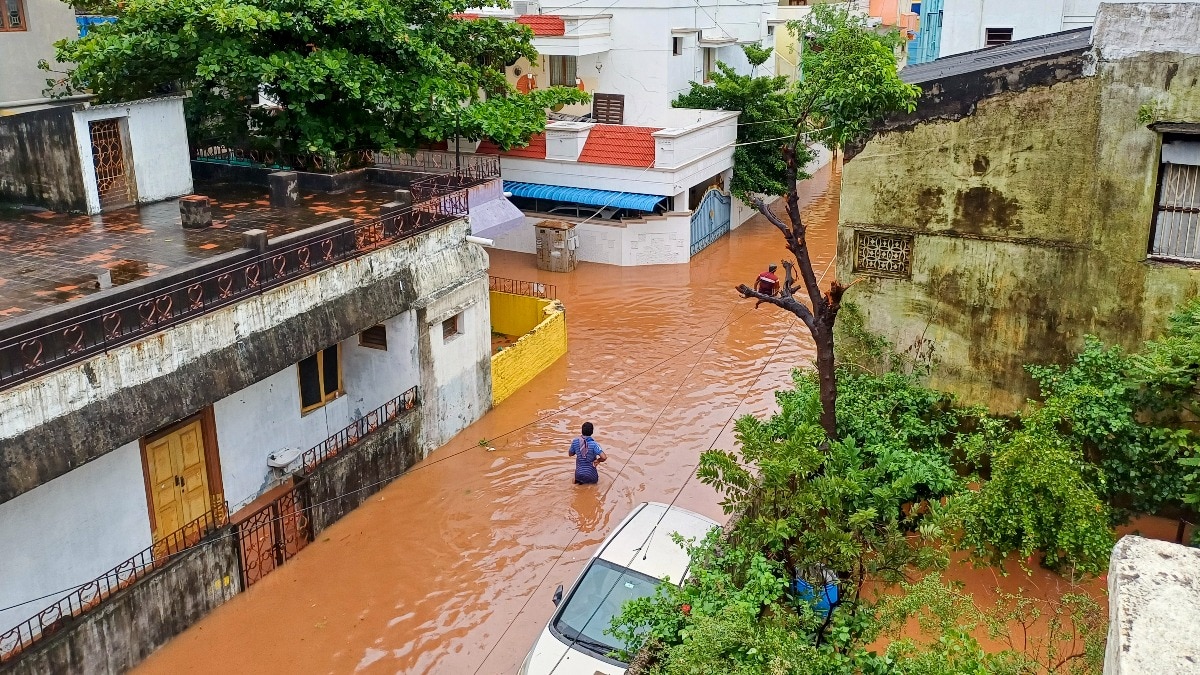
{"x": 645, "y": 545}
{"x": 604, "y": 497}
{"x": 418, "y": 467}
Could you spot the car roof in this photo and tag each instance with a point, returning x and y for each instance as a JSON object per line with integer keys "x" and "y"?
{"x": 643, "y": 542}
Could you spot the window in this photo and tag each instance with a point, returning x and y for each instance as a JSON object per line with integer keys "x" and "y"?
{"x": 885, "y": 255}
{"x": 320, "y": 378}
{"x": 374, "y": 337}
{"x": 676, "y": 46}
{"x": 710, "y": 63}
{"x": 771, "y": 30}
{"x": 798, "y": 3}
{"x": 608, "y": 108}
{"x": 562, "y": 71}
{"x": 997, "y": 36}
{"x": 14, "y": 15}
{"x": 1176, "y": 230}
{"x": 450, "y": 327}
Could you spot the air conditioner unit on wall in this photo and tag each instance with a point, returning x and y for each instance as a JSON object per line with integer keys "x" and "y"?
{"x": 523, "y": 7}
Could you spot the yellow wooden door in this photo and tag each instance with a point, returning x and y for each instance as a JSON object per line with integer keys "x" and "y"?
{"x": 178, "y": 478}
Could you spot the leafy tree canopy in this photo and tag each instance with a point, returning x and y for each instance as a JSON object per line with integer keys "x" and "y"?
{"x": 350, "y": 74}
{"x": 766, "y": 117}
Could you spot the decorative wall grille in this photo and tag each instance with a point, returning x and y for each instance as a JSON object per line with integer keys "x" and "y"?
{"x": 108, "y": 157}
{"x": 1177, "y": 218}
{"x": 879, "y": 254}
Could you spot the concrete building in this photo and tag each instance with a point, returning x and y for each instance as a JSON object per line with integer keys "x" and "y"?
{"x": 625, "y": 174}
{"x": 28, "y": 31}
{"x": 162, "y": 367}
{"x": 91, "y": 158}
{"x": 966, "y": 25}
{"x": 1041, "y": 191}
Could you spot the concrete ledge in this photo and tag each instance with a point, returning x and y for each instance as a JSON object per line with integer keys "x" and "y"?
{"x": 126, "y": 628}
{"x": 55, "y": 423}
{"x": 339, "y": 485}
{"x": 1154, "y": 608}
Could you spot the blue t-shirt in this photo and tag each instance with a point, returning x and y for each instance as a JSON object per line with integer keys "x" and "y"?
{"x": 585, "y": 470}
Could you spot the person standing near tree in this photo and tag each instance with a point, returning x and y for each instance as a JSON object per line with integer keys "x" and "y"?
{"x": 588, "y": 454}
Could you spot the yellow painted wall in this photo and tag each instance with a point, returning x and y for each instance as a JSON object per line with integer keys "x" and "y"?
{"x": 539, "y": 346}
{"x": 516, "y": 314}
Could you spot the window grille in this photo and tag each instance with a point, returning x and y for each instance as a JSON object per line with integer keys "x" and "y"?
{"x": 885, "y": 255}
{"x": 374, "y": 337}
{"x": 1177, "y": 213}
{"x": 450, "y": 327}
{"x": 13, "y": 17}
{"x": 608, "y": 108}
{"x": 997, "y": 36}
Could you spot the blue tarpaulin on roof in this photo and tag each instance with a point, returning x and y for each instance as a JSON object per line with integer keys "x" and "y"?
{"x": 616, "y": 200}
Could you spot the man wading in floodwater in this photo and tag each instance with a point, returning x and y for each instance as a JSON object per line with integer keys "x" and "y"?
{"x": 587, "y": 454}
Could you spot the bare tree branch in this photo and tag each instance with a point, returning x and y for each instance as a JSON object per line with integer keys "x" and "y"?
{"x": 790, "y": 304}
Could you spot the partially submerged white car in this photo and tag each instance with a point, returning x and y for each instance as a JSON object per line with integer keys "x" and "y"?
{"x": 628, "y": 565}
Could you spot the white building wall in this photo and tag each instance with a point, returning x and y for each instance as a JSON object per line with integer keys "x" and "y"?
{"x": 48, "y": 21}
{"x": 655, "y": 241}
{"x": 157, "y": 138}
{"x": 456, "y": 380}
{"x": 964, "y": 22}
{"x": 71, "y": 530}
{"x": 640, "y": 63}
{"x": 265, "y": 417}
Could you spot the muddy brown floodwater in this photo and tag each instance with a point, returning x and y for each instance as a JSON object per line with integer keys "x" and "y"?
{"x": 450, "y": 569}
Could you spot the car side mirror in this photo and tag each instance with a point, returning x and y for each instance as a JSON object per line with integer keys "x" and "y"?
{"x": 557, "y": 595}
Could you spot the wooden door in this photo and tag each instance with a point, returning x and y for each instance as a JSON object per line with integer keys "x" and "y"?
{"x": 179, "y": 484}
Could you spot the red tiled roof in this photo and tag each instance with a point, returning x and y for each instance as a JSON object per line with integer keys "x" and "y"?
{"x": 544, "y": 24}
{"x": 535, "y": 150}
{"x": 619, "y": 145}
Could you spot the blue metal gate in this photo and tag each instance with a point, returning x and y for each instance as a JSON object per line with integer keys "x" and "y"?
{"x": 710, "y": 220}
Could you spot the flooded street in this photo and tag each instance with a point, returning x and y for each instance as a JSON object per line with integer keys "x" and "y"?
{"x": 450, "y": 569}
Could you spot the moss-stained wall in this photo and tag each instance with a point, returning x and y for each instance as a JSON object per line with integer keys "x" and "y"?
{"x": 1030, "y": 215}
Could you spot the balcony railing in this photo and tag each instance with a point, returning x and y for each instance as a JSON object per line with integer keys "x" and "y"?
{"x": 364, "y": 425}
{"x": 45, "y": 349}
{"x": 533, "y": 289}
{"x": 47, "y": 622}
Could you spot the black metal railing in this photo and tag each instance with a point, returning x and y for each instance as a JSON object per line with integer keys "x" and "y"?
{"x": 356, "y": 430}
{"x": 533, "y": 289}
{"x": 50, "y": 620}
{"x": 436, "y": 161}
{"x": 219, "y": 152}
{"x": 465, "y": 164}
{"x": 69, "y": 341}
{"x": 273, "y": 534}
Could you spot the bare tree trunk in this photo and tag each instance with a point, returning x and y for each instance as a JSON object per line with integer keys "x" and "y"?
{"x": 823, "y": 337}
{"x": 820, "y": 313}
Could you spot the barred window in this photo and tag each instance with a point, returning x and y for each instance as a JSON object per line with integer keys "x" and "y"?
{"x": 1176, "y": 232}
{"x": 885, "y": 255}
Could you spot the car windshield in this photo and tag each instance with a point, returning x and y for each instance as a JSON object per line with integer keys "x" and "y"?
{"x": 601, "y": 593}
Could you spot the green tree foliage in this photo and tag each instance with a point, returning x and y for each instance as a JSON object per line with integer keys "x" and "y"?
{"x": 849, "y": 81}
{"x": 353, "y": 74}
{"x": 854, "y": 511}
{"x": 849, "y": 78}
{"x": 763, "y": 102}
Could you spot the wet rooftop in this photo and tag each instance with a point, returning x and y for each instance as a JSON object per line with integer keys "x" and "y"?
{"x": 51, "y": 258}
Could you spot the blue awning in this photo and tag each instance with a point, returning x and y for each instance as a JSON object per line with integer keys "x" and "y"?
{"x": 617, "y": 200}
